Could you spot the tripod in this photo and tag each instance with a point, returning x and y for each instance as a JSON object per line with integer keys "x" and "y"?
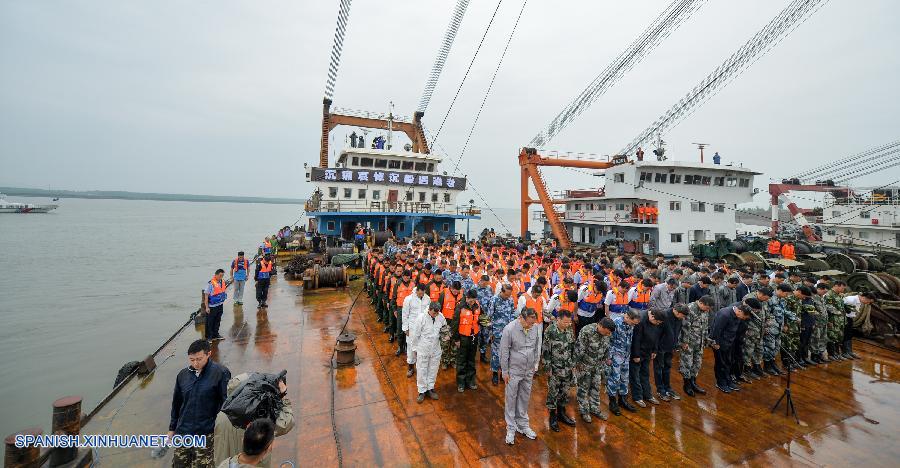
{"x": 786, "y": 396}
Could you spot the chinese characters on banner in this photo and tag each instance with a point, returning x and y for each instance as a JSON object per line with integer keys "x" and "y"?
{"x": 366, "y": 176}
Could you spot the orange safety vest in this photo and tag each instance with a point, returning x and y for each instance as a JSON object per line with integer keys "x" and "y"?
{"x": 390, "y": 284}
{"x": 643, "y": 294}
{"x": 535, "y": 304}
{"x": 434, "y": 291}
{"x": 565, "y": 303}
{"x": 468, "y": 321}
{"x": 621, "y": 298}
{"x": 404, "y": 290}
{"x": 774, "y": 247}
{"x": 424, "y": 278}
{"x": 449, "y": 305}
{"x": 265, "y": 267}
{"x": 788, "y": 252}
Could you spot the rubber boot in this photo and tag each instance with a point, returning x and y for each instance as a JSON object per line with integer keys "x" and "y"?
{"x": 759, "y": 370}
{"x": 848, "y": 348}
{"x": 614, "y": 406}
{"x": 554, "y": 425}
{"x": 623, "y": 402}
{"x": 697, "y": 387}
{"x": 688, "y": 389}
{"x": 563, "y": 417}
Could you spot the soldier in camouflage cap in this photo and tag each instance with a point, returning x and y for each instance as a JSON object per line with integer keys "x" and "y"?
{"x": 834, "y": 304}
{"x": 591, "y": 364}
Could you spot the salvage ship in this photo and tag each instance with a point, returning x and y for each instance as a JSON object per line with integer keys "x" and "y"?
{"x": 401, "y": 192}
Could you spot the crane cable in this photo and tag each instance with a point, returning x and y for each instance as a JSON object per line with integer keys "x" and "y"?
{"x": 665, "y": 23}
{"x": 339, "y": 31}
{"x": 466, "y": 75}
{"x": 791, "y": 17}
{"x": 436, "y": 69}
{"x": 827, "y": 168}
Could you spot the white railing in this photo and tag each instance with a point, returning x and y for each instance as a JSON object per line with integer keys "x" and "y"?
{"x": 372, "y": 206}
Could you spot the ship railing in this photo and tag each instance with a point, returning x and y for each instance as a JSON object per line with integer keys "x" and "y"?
{"x": 870, "y": 201}
{"x": 371, "y": 206}
{"x": 620, "y": 218}
{"x": 370, "y": 115}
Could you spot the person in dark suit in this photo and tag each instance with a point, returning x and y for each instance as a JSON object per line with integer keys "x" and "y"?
{"x": 724, "y": 333}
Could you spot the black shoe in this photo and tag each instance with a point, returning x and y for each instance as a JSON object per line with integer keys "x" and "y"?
{"x": 399, "y": 351}
{"x": 688, "y": 389}
{"x": 743, "y": 378}
{"x": 623, "y": 402}
{"x": 757, "y": 371}
{"x": 775, "y": 368}
{"x": 614, "y": 406}
{"x": 697, "y": 387}
{"x": 554, "y": 425}
{"x": 563, "y": 417}
{"x": 853, "y": 355}
{"x": 386, "y": 328}
{"x": 818, "y": 359}
{"x": 392, "y": 338}
{"x": 495, "y": 379}
{"x": 378, "y": 319}
{"x": 484, "y": 358}
{"x": 734, "y": 386}
{"x": 769, "y": 368}
{"x": 723, "y": 388}
{"x": 809, "y": 362}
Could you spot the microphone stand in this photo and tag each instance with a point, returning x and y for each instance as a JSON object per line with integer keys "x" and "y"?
{"x": 789, "y": 408}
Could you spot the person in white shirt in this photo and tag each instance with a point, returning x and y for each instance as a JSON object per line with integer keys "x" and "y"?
{"x": 414, "y": 306}
{"x": 425, "y": 338}
{"x": 854, "y": 304}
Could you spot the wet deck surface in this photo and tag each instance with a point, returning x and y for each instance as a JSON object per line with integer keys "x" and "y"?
{"x": 848, "y": 410}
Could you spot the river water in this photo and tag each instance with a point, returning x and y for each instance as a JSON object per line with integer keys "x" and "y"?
{"x": 98, "y": 283}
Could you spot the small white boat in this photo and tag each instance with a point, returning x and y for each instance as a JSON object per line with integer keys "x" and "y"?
{"x": 14, "y": 207}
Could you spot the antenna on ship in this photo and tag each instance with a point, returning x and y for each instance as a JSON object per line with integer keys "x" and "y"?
{"x": 390, "y": 120}
{"x": 701, "y": 146}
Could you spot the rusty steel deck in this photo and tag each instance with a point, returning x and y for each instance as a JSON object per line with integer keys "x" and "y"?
{"x": 848, "y": 410}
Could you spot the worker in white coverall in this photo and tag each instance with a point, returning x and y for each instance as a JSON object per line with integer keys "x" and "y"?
{"x": 520, "y": 354}
{"x": 414, "y": 306}
{"x": 425, "y": 338}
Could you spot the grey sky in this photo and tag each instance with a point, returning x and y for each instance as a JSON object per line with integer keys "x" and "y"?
{"x": 224, "y": 97}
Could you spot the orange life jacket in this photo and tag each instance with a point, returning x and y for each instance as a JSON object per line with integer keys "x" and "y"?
{"x": 449, "y": 305}
{"x": 468, "y": 321}
{"x": 536, "y": 304}
{"x": 434, "y": 291}
{"x": 774, "y": 247}
{"x": 404, "y": 290}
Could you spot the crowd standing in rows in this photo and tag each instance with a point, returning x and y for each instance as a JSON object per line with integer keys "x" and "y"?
{"x": 597, "y": 321}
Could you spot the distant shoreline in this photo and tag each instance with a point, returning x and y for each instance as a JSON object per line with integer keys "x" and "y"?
{"x": 122, "y": 195}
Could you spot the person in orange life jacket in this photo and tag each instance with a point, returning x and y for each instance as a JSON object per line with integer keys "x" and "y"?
{"x": 534, "y": 299}
{"x": 392, "y": 275}
{"x": 267, "y": 246}
{"x": 402, "y": 289}
{"x": 449, "y": 298}
{"x": 590, "y": 299}
{"x": 616, "y": 300}
{"x": 213, "y": 300}
{"x": 639, "y": 295}
{"x": 414, "y": 306}
{"x": 436, "y": 286}
{"x": 239, "y": 267}
{"x": 465, "y": 327}
{"x": 263, "y": 274}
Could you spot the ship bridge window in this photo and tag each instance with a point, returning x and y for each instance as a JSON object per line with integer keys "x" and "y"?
{"x": 620, "y": 206}
{"x": 434, "y": 197}
{"x": 646, "y": 176}
{"x": 354, "y": 161}
{"x": 577, "y": 206}
{"x": 698, "y": 207}
{"x": 409, "y": 196}
{"x": 366, "y": 162}
{"x": 420, "y": 166}
{"x": 619, "y": 177}
{"x": 376, "y": 194}
{"x": 421, "y": 196}
{"x": 329, "y": 226}
{"x": 674, "y": 206}
{"x": 719, "y": 208}
{"x": 446, "y": 198}
{"x": 674, "y": 178}
{"x": 864, "y": 214}
{"x": 445, "y": 227}
{"x": 675, "y": 237}
{"x": 332, "y": 192}
{"x": 719, "y": 181}
{"x": 601, "y": 207}
{"x": 393, "y": 164}
{"x": 430, "y": 167}
{"x": 705, "y": 180}
{"x": 691, "y": 179}
{"x": 745, "y": 182}
{"x": 660, "y": 178}
{"x": 348, "y": 193}
{"x": 362, "y": 194}
{"x": 407, "y": 165}
{"x": 731, "y": 182}
{"x": 381, "y": 163}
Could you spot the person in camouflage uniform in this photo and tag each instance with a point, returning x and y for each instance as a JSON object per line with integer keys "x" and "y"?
{"x": 790, "y": 332}
{"x": 501, "y": 310}
{"x": 558, "y": 357}
{"x": 819, "y": 336}
{"x": 773, "y": 326}
{"x": 485, "y": 294}
{"x": 449, "y": 299}
{"x": 753, "y": 339}
{"x": 694, "y": 338}
{"x": 834, "y": 304}
{"x": 620, "y": 357}
{"x": 591, "y": 363}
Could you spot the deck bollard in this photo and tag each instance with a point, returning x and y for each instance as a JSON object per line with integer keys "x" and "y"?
{"x": 66, "y": 420}
{"x": 346, "y": 349}
{"x": 23, "y": 457}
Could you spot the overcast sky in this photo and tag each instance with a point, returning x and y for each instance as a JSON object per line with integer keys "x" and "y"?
{"x": 224, "y": 97}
